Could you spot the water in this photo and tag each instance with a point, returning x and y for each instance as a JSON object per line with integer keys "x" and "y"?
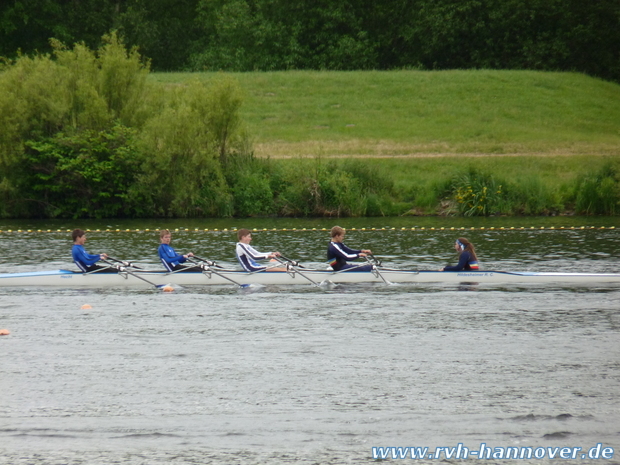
{"x": 306, "y": 375}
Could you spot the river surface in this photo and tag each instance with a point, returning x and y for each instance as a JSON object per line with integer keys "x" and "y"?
{"x": 299, "y": 374}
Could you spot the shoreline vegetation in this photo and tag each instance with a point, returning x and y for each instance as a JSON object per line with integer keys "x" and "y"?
{"x": 95, "y": 134}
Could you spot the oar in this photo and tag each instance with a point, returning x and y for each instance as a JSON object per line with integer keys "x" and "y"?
{"x": 212, "y": 263}
{"x": 124, "y": 263}
{"x": 99, "y": 270}
{"x": 375, "y": 264}
{"x": 291, "y": 264}
{"x": 207, "y": 264}
{"x": 124, "y": 269}
{"x": 374, "y": 270}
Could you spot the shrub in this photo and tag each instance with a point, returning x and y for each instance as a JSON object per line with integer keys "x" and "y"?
{"x": 477, "y": 194}
{"x": 85, "y": 174}
{"x": 64, "y": 135}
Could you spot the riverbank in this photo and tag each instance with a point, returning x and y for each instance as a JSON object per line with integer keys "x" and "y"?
{"x": 318, "y": 144}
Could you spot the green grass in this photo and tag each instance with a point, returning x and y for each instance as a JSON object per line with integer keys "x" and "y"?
{"x": 404, "y": 113}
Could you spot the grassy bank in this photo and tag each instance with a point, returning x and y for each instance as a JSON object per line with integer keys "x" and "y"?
{"x": 418, "y": 142}
{"x": 404, "y": 113}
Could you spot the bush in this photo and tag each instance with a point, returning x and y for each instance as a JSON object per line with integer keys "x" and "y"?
{"x": 478, "y": 194}
{"x": 252, "y": 195}
{"x": 64, "y": 135}
{"x": 81, "y": 175}
{"x": 182, "y": 158}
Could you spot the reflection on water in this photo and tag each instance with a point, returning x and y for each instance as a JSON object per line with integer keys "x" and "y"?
{"x": 298, "y": 374}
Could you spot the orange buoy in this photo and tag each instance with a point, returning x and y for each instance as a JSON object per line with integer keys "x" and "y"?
{"x": 4, "y": 332}
{"x": 167, "y": 289}
{"x": 86, "y": 307}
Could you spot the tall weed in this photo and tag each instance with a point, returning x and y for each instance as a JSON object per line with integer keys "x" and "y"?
{"x": 531, "y": 196}
{"x": 336, "y": 189}
{"x": 598, "y": 193}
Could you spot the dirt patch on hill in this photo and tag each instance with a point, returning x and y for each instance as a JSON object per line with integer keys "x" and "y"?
{"x": 389, "y": 149}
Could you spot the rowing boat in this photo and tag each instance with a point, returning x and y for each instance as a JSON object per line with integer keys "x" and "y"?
{"x": 71, "y": 279}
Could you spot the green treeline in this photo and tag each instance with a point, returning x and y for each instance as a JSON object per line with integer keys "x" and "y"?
{"x": 248, "y": 35}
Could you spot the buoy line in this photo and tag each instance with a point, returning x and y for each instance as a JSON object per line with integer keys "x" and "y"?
{"x": 413, "y": 228}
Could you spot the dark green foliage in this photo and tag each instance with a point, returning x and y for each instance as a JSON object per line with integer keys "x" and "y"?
{"x": 245, "y": 35}
{"x": 242, "y": 35}
{"x": 82, "y": 175}
{"x": 162, "y": 29}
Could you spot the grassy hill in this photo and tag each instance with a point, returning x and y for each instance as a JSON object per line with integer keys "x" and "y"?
{"x": 510, "y": 142}
{"x": 409, "y": 113}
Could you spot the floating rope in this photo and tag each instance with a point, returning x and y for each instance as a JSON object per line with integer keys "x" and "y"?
{"x": 462, "y": 228}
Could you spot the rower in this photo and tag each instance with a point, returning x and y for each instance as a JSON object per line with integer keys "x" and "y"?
{"x": 169, "y": 258}
{"x": 338, "y": 253}
{"x": 85, "y": 261}
{"x": 247, "y": 255}
{"x": 468, "y": 260}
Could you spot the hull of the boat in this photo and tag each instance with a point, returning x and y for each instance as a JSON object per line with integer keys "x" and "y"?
{"x": 145, "y": 279}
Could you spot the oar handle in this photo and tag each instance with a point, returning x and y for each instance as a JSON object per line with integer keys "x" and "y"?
{"x": 292, "y": 262}
{"x": 292, "y": 265}
{"x": 374, "y": 259}
{"x": 112, "y": 265}
{"x": 124, "y": 262}
{"x": 202, "y": 263}
{"x": 208, "y": 262}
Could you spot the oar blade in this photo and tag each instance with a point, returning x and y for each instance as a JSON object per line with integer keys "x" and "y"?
{"x": 169, "y": 287}
{"x": 253, "y": 286}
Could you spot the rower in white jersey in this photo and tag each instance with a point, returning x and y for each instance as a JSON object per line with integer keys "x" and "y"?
{"x": 248, "y": 255}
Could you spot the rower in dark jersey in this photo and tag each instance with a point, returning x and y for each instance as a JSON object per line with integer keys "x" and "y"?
{"x": 467, "y": 256}
{"x": 338, "y": 253}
